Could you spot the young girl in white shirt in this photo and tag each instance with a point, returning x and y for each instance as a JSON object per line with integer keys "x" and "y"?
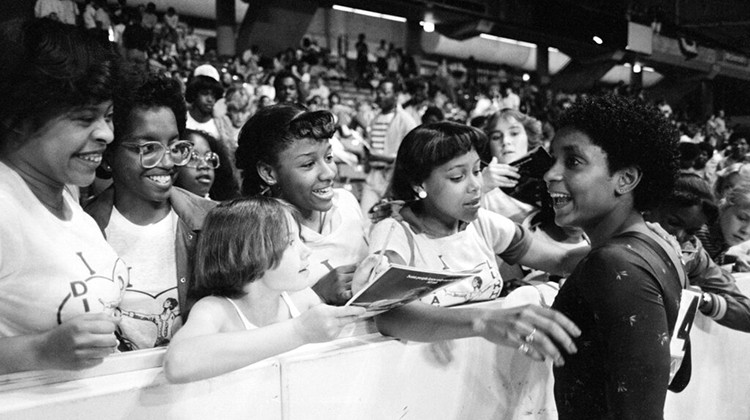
{"x": 248, "y": 258}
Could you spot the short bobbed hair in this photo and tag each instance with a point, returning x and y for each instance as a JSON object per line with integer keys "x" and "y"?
{"x": 47, "y": 69}
{"x": 631, "y": 134}
{"x": 429, "y": 146}
{"x": 272, "y": 130}
{"x": 240, "y": 241}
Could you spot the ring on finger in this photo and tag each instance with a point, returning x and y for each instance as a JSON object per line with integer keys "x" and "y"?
{"x": 524, "y": 348}
{"x": 530, "y": 337}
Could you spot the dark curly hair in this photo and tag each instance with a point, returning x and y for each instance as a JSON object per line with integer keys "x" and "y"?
{"x": 631, "y": 134}
{"x": 146, "y": 90}
{"x": 271, "y": 131}
{"x": 48, "y": 68}
{"x": 429, "y": 146}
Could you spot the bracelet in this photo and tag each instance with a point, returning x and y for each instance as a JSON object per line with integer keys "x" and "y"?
{"x": 706, "y": 303}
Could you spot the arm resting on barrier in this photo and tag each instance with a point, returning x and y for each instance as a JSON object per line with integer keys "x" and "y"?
{"x": 205, "y": 347}
{"x": 81, "y": 342}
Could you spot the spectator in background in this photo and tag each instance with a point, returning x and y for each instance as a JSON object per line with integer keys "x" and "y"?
{"x": 119, "y": 12}
{"x": 387, "y": 130}
{"x": 52, "y": 9}
{"x": 171, "y": 19}
{"x": 89, "y": 15}
{"x": 287, "y": 88}
{"x": 192, "y": 41}
{"x": 201, "y": 93}
{"x": 101, "y": 18}
{"x": 381, "y": 54}
{"x": 731, "y": 228}
{"x": 238, "y": 103}
{"x": 737, "y": 149}
{"x": 135, "y": 39}
{"x": 149, "y": 18}
{"x": 510, "y": 99}
{"x": 210, "y": 172}
{"x": 688, "y": 208}
{"x": 320, "y": 89}
{"x": 432, "y": 115}
{"x": 362, "y": 60}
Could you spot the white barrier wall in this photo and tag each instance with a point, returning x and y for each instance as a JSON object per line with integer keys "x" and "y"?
{"x": 364, "y": 376}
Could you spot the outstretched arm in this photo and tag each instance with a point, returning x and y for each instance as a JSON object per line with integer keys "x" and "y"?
{"x": 199, "y": 350}
{"x": 552, "y": 332}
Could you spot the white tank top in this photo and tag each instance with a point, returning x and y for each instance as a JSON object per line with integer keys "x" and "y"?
{"x": 293, "y": 311}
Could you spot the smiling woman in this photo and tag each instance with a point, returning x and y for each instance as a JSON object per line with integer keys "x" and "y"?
{"x": 59, "y": 280}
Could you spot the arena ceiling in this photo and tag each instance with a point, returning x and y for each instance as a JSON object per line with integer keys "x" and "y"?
{"x": 723, "y": 24}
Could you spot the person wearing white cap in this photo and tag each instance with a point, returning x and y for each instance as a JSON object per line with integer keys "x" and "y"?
{"x": 202, "y": 92}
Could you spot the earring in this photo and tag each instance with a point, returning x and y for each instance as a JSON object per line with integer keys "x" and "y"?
{"x": 422, "y": 194}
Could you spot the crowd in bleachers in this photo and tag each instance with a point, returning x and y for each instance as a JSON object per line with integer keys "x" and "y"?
{"x": 186, "y": 145}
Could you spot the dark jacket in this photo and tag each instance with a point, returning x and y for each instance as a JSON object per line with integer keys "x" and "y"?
{"x": 191, "y": 211}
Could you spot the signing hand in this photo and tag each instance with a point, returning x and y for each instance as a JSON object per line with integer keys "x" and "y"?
{"x": 81, "y": 342}
{"x": 364, "y": 273}
{"x": 538, "y": 332}
{"x": 335, "y": 288}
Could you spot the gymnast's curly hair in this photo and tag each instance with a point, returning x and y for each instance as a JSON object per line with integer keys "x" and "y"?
{"x": 631, "y": 134}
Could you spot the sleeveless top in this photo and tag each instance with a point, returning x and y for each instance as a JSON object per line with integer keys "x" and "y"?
{"x": 293, "y": 311}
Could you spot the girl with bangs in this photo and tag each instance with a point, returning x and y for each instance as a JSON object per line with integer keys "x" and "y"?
{"x": 249, "y": 259}
{"x": 284, "y": 151}
{"x": 442, "y": 226}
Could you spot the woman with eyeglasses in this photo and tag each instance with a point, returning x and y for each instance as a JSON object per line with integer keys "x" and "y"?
{"x": 209, "y": 173}
{"x": 150, "y": 223}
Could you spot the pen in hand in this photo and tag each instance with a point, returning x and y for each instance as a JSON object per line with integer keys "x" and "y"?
{"x": 382, "y": 251}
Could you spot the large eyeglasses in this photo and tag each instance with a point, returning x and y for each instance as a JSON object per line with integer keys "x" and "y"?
{"x": 152, "y": 152}
{"x": 209, "y": 159}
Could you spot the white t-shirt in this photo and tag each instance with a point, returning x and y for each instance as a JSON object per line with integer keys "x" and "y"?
{"x": 51, "y": 270}
{"x": 472, "y": 248}
{"x": 208, "y": 126}
{"x": 150, "y": 309}
{"x": 343, "y": 240}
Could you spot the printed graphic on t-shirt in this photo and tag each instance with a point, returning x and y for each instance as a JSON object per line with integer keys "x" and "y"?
{"x": 148, "y": 320}
{"x": 471, "y": 289}
{"x": 94, "y": 293}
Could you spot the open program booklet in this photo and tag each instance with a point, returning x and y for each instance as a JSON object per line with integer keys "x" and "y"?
{"x": 401, "y": 284}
